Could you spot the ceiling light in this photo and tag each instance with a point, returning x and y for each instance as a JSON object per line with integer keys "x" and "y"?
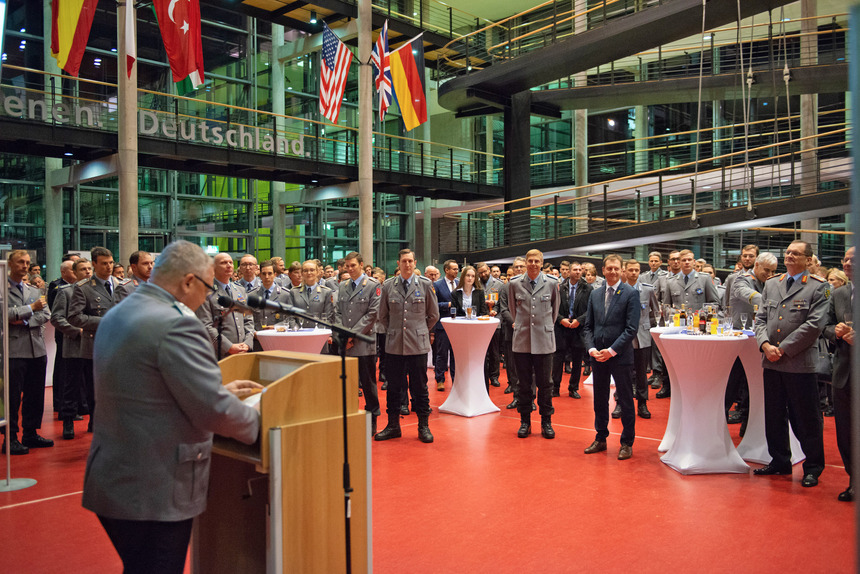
{"x": 313, "y": 17}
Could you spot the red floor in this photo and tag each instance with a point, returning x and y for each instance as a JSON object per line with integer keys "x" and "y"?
{"x": 481, "y": 500}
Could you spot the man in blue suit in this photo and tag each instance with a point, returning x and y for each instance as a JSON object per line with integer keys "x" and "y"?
{"x": 611, "y": 323}
{"x": 444, "y": 287}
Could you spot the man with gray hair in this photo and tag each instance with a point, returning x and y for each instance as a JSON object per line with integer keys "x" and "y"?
{"x": 160, "y": 401}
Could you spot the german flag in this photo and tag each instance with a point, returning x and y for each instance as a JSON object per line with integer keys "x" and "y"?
{"x": 71, "y": 21}
{"x": 407, "y": 77}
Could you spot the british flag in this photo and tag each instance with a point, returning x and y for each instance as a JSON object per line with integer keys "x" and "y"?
{"x": 334, "y": 67}
{"x": 382, "y": 71}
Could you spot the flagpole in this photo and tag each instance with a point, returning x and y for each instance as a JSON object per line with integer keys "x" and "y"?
{"x": 127, "y": 136}
{"x": 365, "y": 133}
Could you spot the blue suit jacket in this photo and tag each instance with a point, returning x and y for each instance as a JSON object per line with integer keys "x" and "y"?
{"x": 443, "y": 297}
{"x": 615, "y": 327}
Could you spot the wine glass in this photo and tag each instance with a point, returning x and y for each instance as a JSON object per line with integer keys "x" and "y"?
{"x": 744, "y": 317}
{"x": 491, "y": 300}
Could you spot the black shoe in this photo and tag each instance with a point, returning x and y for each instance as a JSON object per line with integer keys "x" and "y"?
{"x": 495, "y": 383}
{"x": 546, "y": 430}
{"x": 555, "y": 393}
{"x": 372, "y": 426}
{"x": 78, "y": 418}
{"x": 382, "y": 379}
{"x": 809, "y": 480}
{"x": 424, "y": 434}
{"x": 404, "y": 410}
{"x": 513, "y": 404}
{"x": 664, "y": 393}
{"x": 655, "y": 384}
{"x": 616, "y": 414}
{"x": 769, "y": 470}
{"x": 586, "y": 371}
{"x": 68, "y": 429}
{"x": 15, "y": 447}
{"x": 390, "y": 431}
{"x": 36, "y": 441}
{"x": 643, "y": 411}
{"x": 509, "y": 389}
{"x": 574, "y": 394}
{"x": 847, "y": 495}
{"x": 384, "y": 385}
{"x": 735, "y": 418}
{"x": 534, "y": 407}
{"x": 359, "y": 393}
{"x": 567, "y": 369}
{"x": 828, "y": 411}
{"x": 525, "y": 429}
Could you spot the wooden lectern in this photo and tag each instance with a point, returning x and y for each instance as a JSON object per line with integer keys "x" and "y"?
{"x": 278, "y": 506}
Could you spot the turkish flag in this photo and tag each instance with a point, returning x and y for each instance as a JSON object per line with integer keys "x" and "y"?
{"x": 179, "y": 21}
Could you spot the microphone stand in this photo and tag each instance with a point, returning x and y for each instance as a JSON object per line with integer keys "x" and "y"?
{"x": 341, "y": 335}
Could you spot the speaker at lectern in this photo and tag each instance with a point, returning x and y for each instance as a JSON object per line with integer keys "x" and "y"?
{"x": 278, "y": 506}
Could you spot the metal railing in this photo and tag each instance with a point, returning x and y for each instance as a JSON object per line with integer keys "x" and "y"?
{"x": 780, "y": 171}
{"x": 90, "y": 104}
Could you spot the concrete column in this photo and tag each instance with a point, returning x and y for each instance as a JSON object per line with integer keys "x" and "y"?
{"x": 365, "y": 133}
{"x": 640, "y": 132}
{"x": 517, "y": 168}
{"x": 52, "y": 198}
{"x": 279, "y": 218}
{"x": 808, "y": 116}
{"x": 127, "y": 143}
{"x": 427, "y": 230}
{"x": 489, "y": 147}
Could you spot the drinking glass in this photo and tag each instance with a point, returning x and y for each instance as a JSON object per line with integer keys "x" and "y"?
{"x": 453, "y": 312}
{"x": 744, "y": 317}
{"x": 468, "y": 312}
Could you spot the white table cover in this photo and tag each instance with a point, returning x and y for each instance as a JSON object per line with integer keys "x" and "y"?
{"x": 753, "y": 447}
{"x": 301, "y": 341}
{"x": 469, "y": 340}
{"x": 675, "y": 405}
{"x": 700, "y": 367}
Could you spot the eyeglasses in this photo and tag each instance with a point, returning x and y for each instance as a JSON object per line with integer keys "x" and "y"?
{"x": 208, "y": 286}
{"x": 795, "y": 253}
{"x": 247, "y": 264}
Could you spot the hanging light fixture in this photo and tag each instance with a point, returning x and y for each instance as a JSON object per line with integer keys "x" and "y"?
{"x": 313, "y": 17}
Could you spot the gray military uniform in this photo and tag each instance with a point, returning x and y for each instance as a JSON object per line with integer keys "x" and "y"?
{"x": 408, "y": 317}
{"x": 317, "y": 303}
{"x": 533, "y": 313}
{"x": 267, "y": 315}
{"x": 745, "y": 296}
{"x": 89, "y": 303}
{"x": 695, "y": 294}
{"x": 357, "y": 309}
{"x": 60, "y": 321}
{"x": 236, "y": 327}
{"x": 160, "y": 400}
{"x": 793, "y": 319}
{"x": 649, "y": 310}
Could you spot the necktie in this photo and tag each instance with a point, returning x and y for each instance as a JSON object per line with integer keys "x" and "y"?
{"x": 20, "y": 287}
{"x": 227, "y": 290}
{"x": 309, "y": 292}
{"x": 686, "y": 279}
{"x": 266, "y": 294}
{"x": 352, "y": 285}
{"x": 572, "y": 298}
{"x": 406, "y": 287}
{"x": 533, "y": 284}
{"x": 108, "y": 289}
{"x": 608, "y": 299}
{"x": 789, "y": 283}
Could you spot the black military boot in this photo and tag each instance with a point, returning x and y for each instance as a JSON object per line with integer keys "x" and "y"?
{"x": 525, "y": 426}
{"x": 391, "y": 430}
{"x": 546, "y": 427}
{"x": 424, "y": 434}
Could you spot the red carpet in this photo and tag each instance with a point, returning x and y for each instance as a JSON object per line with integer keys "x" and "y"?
{"x": 481, "y": 500}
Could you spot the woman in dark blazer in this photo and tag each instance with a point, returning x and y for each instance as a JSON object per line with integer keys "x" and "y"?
{"x": 467, "y": 286}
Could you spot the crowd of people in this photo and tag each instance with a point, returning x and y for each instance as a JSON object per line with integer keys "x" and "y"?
{"x": 555, "y": 322}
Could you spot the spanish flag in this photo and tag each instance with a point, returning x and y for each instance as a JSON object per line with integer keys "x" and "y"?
{"x": 71, "y": 21}
{"x": 407, "y": 76}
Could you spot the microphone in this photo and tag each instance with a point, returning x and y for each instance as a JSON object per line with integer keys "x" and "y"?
{"x": 258, "y": 302}
{"x": 226, "y": 301}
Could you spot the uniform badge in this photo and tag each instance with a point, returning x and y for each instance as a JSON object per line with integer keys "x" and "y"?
{"x": 378, "y": 291}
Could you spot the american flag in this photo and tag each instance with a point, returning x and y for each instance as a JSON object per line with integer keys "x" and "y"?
{"x": 336, "y": 59}
{"x": 382, "y": 69}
